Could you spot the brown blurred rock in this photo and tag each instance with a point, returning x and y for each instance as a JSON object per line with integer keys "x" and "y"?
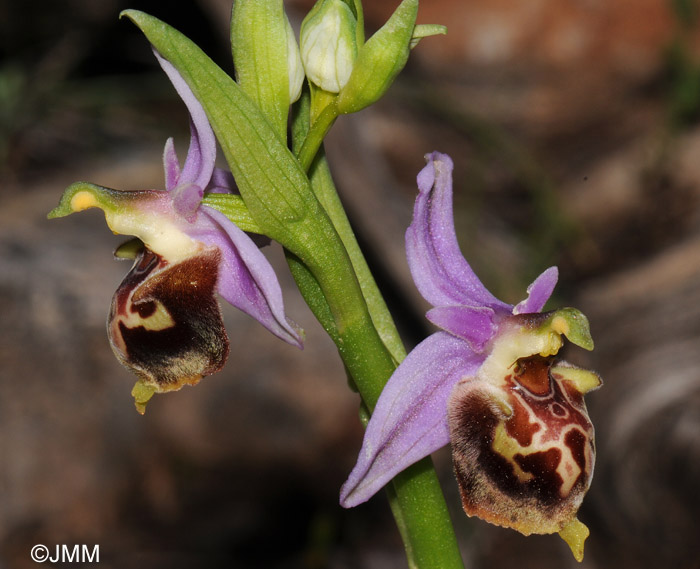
{"x": 645, "y": 323}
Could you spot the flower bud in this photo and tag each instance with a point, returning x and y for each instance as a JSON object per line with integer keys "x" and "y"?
{"x": 328, "y": 44}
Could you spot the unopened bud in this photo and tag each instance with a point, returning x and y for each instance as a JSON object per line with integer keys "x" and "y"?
{"x": 328, "y": 44}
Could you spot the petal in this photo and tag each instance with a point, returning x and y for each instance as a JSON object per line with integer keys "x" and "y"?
{"x": 409, "y": 421}
{"x": 201, "y": 155}
{"x": 246, "y": 279}
{"x": 186, "y": 199}
{"x": 165, "y": 324}
{"x": 538, "y": 292}
{"x": 439, "y": 270}
{"x": 475, "y": 325}
{"x": 222, "y": 182}
{"x": 171, "y": 164}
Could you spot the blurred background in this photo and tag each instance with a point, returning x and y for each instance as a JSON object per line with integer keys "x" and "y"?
{"x": 575, "y": 129}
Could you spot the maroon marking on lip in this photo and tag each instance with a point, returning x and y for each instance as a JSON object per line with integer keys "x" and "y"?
{"x": 196, "y": 344}
{"x": 558, "y": 410}
{"x": 518, "y": 425}
{"x": 533, "y": 374}
{"x": 576, "y": 442}
{"x": 144, "y": 309}
{"x": 546, "y": 482}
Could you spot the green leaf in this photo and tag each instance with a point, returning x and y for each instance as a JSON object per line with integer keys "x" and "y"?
{"x": 273, "y": 185}
{"x": 234, "y": 208}
{"x": 259, "y": 47}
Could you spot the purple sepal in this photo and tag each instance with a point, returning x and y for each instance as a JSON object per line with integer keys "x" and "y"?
{"x": 538, "y": 292}
{"x": 199, "y": 163}
{"x": 439, "y": 270}
{"x": 171, "y": 164}
{"x": 473, "y": 324}
{"x": 222, "y": 182}
{"x": 409, "y": 421}
{"x": 247, "y": 280}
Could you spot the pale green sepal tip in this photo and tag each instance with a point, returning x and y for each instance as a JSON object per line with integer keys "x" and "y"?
{"x": 573, "y": 324}
{"x": 425, "y": 31}
{"x": 142, "y": 393}
{"x": 80, "y": 196}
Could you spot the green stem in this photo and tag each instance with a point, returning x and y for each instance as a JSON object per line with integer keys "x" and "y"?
{"x": 314, "y": 137}
{"x": 415, "y": 495}
{"x": 419, "y": 508}
{"x": 324, "y": 188}
{"x": 325, "y": 191}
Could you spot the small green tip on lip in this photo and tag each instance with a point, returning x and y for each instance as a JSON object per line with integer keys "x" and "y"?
{"x": 56, "y": 212}
{"x": 129, "y": 250}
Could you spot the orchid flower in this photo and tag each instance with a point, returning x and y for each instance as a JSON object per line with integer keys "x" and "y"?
{"x": 488, "y": 382}
{"x": 165, "y": 322}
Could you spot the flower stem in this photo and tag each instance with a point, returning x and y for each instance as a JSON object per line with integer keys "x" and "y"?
{"x": 326, "y": 193}
{"x": 319, "y": 110}
{"x": 415, "y": 495}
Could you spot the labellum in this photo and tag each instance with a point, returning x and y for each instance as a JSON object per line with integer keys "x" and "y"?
{"x": 165, "y": 322}
{"x": 523, "y": 447}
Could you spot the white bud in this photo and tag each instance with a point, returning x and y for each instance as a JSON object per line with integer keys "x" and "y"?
{"x": 328, "y": 44}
